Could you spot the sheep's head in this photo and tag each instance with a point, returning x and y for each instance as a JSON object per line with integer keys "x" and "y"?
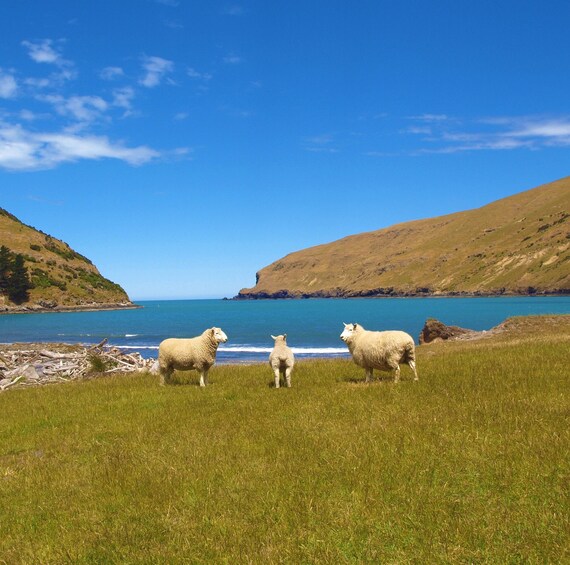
{"x": 219, "y": 335}
{"x": 282, "y": 338}
{"x": 348, "y": 332}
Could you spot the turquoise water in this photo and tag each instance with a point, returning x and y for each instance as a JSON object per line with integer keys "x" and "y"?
{"x": 313, "y": 326}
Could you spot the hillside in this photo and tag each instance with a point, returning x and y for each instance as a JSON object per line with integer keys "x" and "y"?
{"x": 517, "y": 245}
{"x": 62, "y": 278}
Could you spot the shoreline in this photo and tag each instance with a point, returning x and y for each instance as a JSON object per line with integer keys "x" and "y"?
{"x": 390, "y": 293}
{"x": 38, "y": 309}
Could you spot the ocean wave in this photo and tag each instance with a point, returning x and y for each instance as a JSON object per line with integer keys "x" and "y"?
{"x": 298, "y": 350}
{"x": 137, "y": 347}
{"x": 256, "y": 349}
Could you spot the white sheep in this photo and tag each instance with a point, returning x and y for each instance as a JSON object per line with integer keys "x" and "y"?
{"x": 380, "y": 350}
{"x": 193, "y": 353}
{"x": 281, "y": 360}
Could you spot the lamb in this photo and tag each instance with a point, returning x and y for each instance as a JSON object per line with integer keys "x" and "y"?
{"x": 281, "y": 360}
{"x": 380, "y": 350}
{"x": 194, "y": 353}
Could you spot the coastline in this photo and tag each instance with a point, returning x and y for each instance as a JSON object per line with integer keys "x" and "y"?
{"x": 393, "y": 293}
{"x": 39, "y": 309}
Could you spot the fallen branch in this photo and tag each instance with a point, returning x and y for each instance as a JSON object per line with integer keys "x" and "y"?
{"x": 33, "y": 367}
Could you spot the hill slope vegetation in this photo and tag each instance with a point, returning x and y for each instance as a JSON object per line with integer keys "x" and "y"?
{"x": 516, "y": 245}
{"x": 60, "y": 277}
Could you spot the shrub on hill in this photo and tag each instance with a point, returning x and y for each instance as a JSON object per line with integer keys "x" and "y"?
{"x": 14, "y": 279}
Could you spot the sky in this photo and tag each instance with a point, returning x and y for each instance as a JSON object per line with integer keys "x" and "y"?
{"x": 182, "y": 145}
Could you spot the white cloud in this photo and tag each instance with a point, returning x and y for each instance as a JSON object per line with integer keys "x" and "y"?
{"x": 549, "y": 128}
{"x": 28, "y": 115}
{"x": 232, "y": 59}
{"x": 173, "y": 24}
{"x": 80, "y": 108}
{"x": 39, "y": 83}
{"x": 45, "y": 51}
{"x": 22, "y": 150}
{"x": 320, "y": 144}
{"x": 111, "y": 73}
{"x": 490, "y": 133}
{"x": 430, "y": 118}
{"x": 232, "y": 10}
{"x": 156, "y": 68}
{"x": 193, "y": 73}
{"x": 123, "y": 97}
{"x": 8, "y": 85}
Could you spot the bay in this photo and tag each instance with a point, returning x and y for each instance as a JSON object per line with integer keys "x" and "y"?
{"x": 313, "y": 326}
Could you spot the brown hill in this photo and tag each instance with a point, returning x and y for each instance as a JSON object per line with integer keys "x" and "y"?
{"x": 62, "y": 278}
{"x": 518, "y": 245}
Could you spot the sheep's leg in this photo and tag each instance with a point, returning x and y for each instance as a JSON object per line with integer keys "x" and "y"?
{"x": 165, "y": 376}
{"x": 397, "y": 374}
{"x": 277, "y": 374}
{"x": 412, "y": 365}
{"x": 204, "y": 378}
{"x": 288, "y": 376}
{"x": 368, "y": 373}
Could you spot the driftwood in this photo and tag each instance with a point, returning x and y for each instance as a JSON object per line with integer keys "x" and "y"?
{"x": 35, "y": 366}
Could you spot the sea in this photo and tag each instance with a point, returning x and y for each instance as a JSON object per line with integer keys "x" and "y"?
{"x": 313, "y": 326}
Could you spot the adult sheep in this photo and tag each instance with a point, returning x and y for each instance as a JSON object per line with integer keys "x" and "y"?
{"x": 281, "y": 360}
{"x": 380, "y": 350}
{"x": 197, "y": 353}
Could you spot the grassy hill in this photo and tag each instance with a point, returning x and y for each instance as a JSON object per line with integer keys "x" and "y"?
{"x": 62, "y": 278}
{"x": 468, "y": 465}
{"x": 520, "y": 244}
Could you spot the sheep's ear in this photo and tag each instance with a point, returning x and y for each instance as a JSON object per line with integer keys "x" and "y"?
{"x": 354, "y": 326}
{"x": 213, "y": 331}
{"x": 274, "y": 337}
{"x": 284, "y": 336}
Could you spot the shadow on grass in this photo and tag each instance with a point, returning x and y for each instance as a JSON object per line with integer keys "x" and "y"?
{"x": 361, "y": 380}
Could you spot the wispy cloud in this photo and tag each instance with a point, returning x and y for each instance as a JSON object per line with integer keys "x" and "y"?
{"x": 44, "y": 52}
{"x": 439, "y": 133}
{"x": 123, "y": 98}
{"x": 430, "y": 118}
{"x": 232, "y": 59}
{"x": 67, "y": 128}
{"x": 111, "y": 73}
{"x": 323, "y": 143}
{"x": 193, "y": 73}
{"x": 24, "y": 150}
{"x": 8, "y": 85}
{"x": 232, "y": 10}
{"x": 79, "y": 108}
{"x": 156, "y": 68}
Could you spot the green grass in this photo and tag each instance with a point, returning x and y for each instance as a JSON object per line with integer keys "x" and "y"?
{"x": 469, "y": 465}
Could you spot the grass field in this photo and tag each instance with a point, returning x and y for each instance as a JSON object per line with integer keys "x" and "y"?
{"x": 469, "y": 465}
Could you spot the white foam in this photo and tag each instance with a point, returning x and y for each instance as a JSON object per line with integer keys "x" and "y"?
{"x": 254, "y": 349}
{"x": 136, "y": 346}
{"x": 298, "y": 350}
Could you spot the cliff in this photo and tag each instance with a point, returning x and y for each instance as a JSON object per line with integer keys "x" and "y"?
{"x": 62, "y": 279}
{"x": 516, "y": 245}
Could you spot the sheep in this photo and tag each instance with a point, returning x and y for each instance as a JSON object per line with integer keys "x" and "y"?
{"x": 194, "y": 353}
{"x": 380, "y": 350}
{"x": 281, "y": 360}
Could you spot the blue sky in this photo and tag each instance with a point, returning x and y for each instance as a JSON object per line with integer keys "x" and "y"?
{"x": 183, "y": 145}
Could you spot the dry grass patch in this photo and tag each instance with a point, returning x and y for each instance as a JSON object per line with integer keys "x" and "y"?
{"x": 470, "y": 464}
